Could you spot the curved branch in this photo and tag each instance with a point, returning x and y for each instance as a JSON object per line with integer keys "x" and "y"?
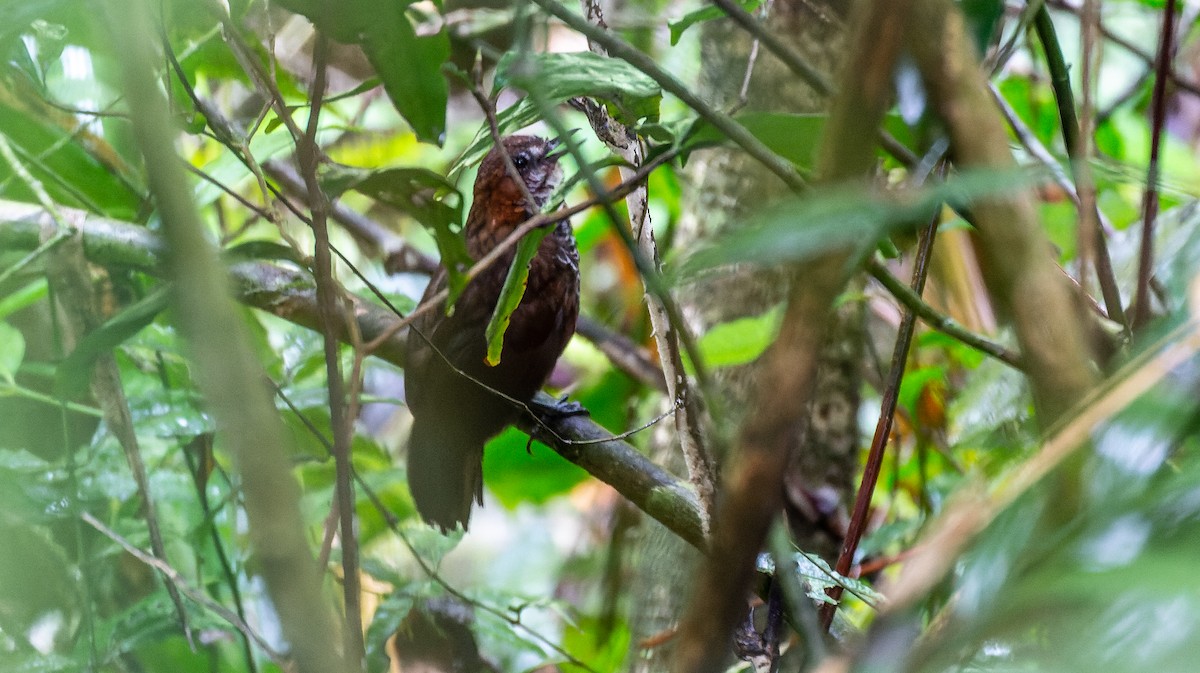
{"x": 290, "y": 294}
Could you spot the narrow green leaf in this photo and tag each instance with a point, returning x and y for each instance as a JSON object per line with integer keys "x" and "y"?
{"x": 842, "y": 217}
{"x": 12, "y": 351}
{"x": 73, "y": 372}
{"x": 510, "y": 296}
{"x": 794, "y": 137}
{"x": 23, "y": 297}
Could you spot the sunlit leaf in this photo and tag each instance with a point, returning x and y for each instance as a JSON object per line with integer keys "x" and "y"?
{"x": 740, "y": 341}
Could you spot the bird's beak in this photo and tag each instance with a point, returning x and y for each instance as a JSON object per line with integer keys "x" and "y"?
{"x": 556, "y": 148}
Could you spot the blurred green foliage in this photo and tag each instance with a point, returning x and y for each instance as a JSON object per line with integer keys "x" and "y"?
{"x": 1114, "y": 588}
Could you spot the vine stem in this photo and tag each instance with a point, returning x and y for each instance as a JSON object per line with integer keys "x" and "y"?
{"x": 1158, "y": 112}
{"x": 883, "y": 427}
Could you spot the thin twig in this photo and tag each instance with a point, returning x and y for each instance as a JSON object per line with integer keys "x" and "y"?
{"x": 939, "y": 321}
{"x": 308, "y": 156}
{"x": 689, "y": 415}
{"x": 1158, "y": 114}
{"x": 883, "y": 428}
{"x": 1060, "y": 81}
{"x": 186, "y": 589}
{"x": 1089, "y": 235}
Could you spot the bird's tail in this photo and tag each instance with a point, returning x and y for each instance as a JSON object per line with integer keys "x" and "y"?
{"x": 445, "y": 472}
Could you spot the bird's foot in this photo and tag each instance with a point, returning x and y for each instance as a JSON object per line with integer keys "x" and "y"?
{"x": 560, "y": 408}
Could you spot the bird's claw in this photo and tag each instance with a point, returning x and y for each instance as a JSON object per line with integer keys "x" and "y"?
{"x": 560, "y": 408}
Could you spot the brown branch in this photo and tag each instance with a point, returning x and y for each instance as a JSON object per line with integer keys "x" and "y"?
{"x": 291, "y": 295}
{"x": 1020, "y": 273}
{"x": 753, "y": 490}
{"x": 883, "y": 427}
{"x": 308, "y": 155}
{"x": 1158, "y": 114}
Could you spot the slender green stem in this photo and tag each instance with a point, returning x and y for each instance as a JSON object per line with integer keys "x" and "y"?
{"x": 940, "y": 322}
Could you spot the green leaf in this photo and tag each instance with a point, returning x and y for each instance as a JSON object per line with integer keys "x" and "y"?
{"x": 410, "y": 65}
{"x": 843, "y": 217}
{"x": 422, "y": 194}
{"x": 12, "y": 351}
{"x": 560, "y": 76}
{"x": 740, "y": 341}
{"x": 23, "y": 297}
{"x": 794, "y": 137}
{"x": 511, "y": 294}
{"x": 387, "y": 618}
{"x": 74, "y": 372}
{"x": 705, "y": 14}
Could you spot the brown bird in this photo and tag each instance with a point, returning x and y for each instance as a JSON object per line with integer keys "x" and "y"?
{"x": 453, "y": 415}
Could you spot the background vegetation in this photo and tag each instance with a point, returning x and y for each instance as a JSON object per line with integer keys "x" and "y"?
{"x": 194, "y": 483}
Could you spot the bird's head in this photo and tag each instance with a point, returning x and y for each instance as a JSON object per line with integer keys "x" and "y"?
{"x": 536, "y": 161}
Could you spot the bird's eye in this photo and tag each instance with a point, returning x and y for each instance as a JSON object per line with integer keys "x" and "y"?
{"x": 520, "y": 160}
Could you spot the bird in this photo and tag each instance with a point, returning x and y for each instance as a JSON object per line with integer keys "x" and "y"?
{"x": 449, "y": 388}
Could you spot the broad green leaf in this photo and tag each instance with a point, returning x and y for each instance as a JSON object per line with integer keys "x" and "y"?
{"x": 740, "y": 341}
{"x": 630, "y": 94}
{"x": 410, "y": 65}
{"x": 74, "y": 372}
{"x": 427, "y": 197}
{"x": 558, "y": 76}
{"x": 512, "y": 292}
{"x": 706, "y": 13}
{"x": 12, "y": 351}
